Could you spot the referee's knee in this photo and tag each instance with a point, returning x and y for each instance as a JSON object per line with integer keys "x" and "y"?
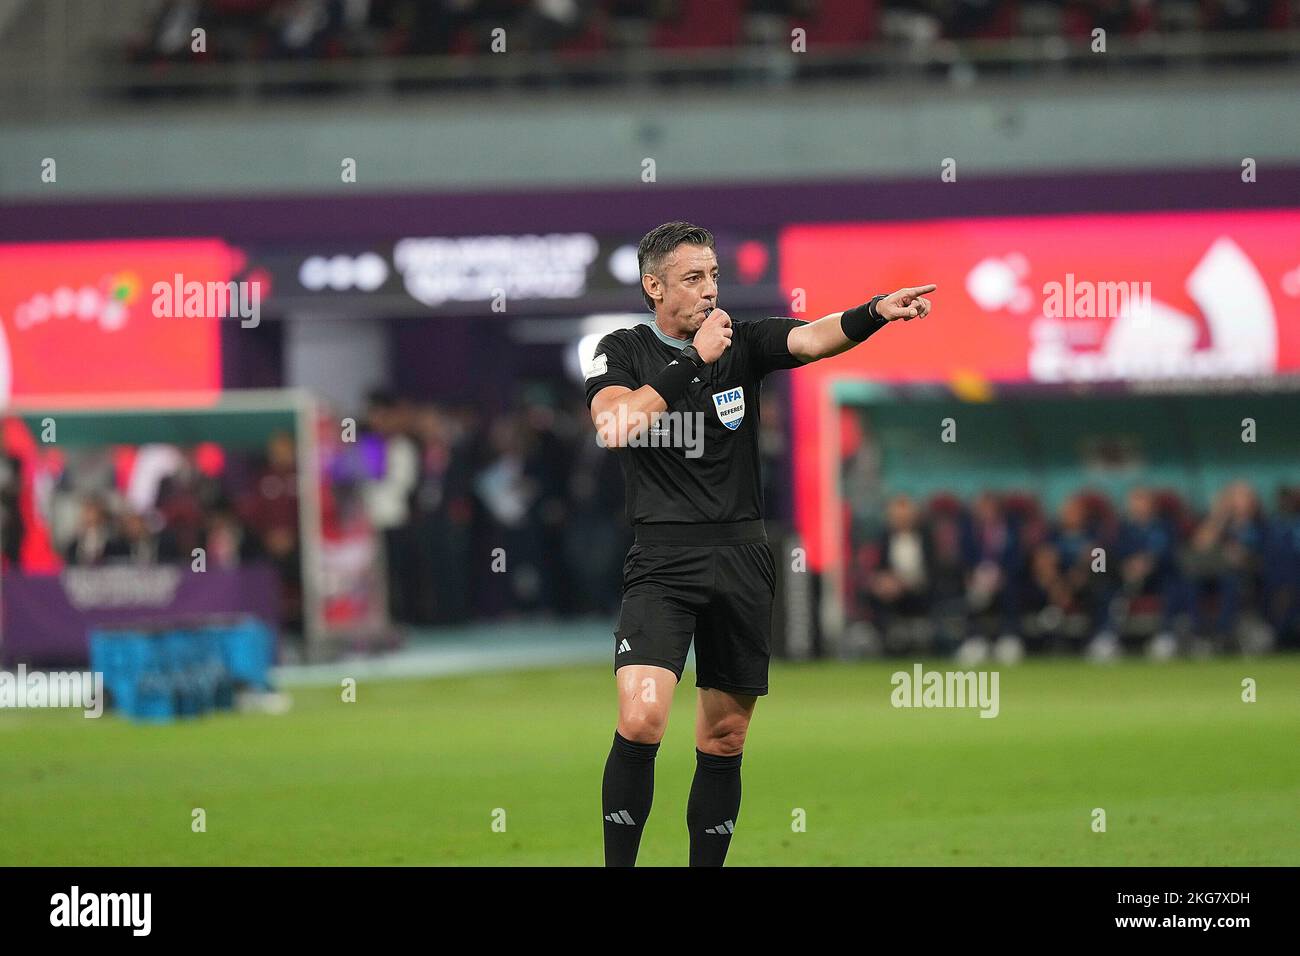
{"x": 726, "y": 738}
{"x": 643, "y": 726}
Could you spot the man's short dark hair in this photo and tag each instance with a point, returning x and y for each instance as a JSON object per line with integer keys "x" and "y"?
{"x": 658, "y": 244}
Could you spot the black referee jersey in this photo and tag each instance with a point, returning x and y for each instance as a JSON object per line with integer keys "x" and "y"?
{"x": 705, "y": 470}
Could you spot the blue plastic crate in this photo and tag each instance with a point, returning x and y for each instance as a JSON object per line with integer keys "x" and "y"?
{"x": 182, "y": 671}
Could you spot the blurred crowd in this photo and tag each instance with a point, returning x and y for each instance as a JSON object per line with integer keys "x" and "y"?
{"x": 1092, "y": 575}
{"x": 484, "y": 514}
{"x": 323, "y": 29}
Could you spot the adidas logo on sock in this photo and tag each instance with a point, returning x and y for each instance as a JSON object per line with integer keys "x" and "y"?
{"x": 726, "y": 826}
{"x": 624, "y": 646}
{"x": 620, "y": 816}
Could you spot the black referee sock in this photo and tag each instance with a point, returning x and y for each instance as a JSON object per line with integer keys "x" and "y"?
{"x": 626, "y": 794}
{"x": 713, "y": 807}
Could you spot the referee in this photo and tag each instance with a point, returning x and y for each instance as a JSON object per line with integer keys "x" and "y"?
{"x": 700, "y": 565}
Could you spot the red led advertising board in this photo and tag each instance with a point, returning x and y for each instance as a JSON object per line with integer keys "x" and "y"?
{"x": 1052, "y": 300}
{"x": 79, "y": 318}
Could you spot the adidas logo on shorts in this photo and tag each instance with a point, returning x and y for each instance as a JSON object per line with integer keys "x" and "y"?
{"x": 624, "y": 646}
{"x": 620, "y": 816}
{"x": 726, "y": 826}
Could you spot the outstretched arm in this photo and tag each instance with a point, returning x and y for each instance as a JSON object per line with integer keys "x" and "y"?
{"x": 840, "y": 331}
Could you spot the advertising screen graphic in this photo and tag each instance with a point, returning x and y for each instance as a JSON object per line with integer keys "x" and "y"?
{"x": 79, "y": 318}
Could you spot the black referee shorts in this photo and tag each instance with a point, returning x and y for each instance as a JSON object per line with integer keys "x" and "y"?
{"x": 715, "y": 582}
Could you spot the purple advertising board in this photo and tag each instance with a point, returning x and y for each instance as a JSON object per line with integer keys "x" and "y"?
{"x": 47, "y": 618}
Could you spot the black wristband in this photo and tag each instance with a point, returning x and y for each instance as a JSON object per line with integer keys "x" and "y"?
{"x": 693, "y": 354}
{"x": 859, "y": 322}
{"x": 672, "y": 380}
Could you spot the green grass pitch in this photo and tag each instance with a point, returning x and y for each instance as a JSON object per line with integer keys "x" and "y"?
{"x": 413, "y": 771}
